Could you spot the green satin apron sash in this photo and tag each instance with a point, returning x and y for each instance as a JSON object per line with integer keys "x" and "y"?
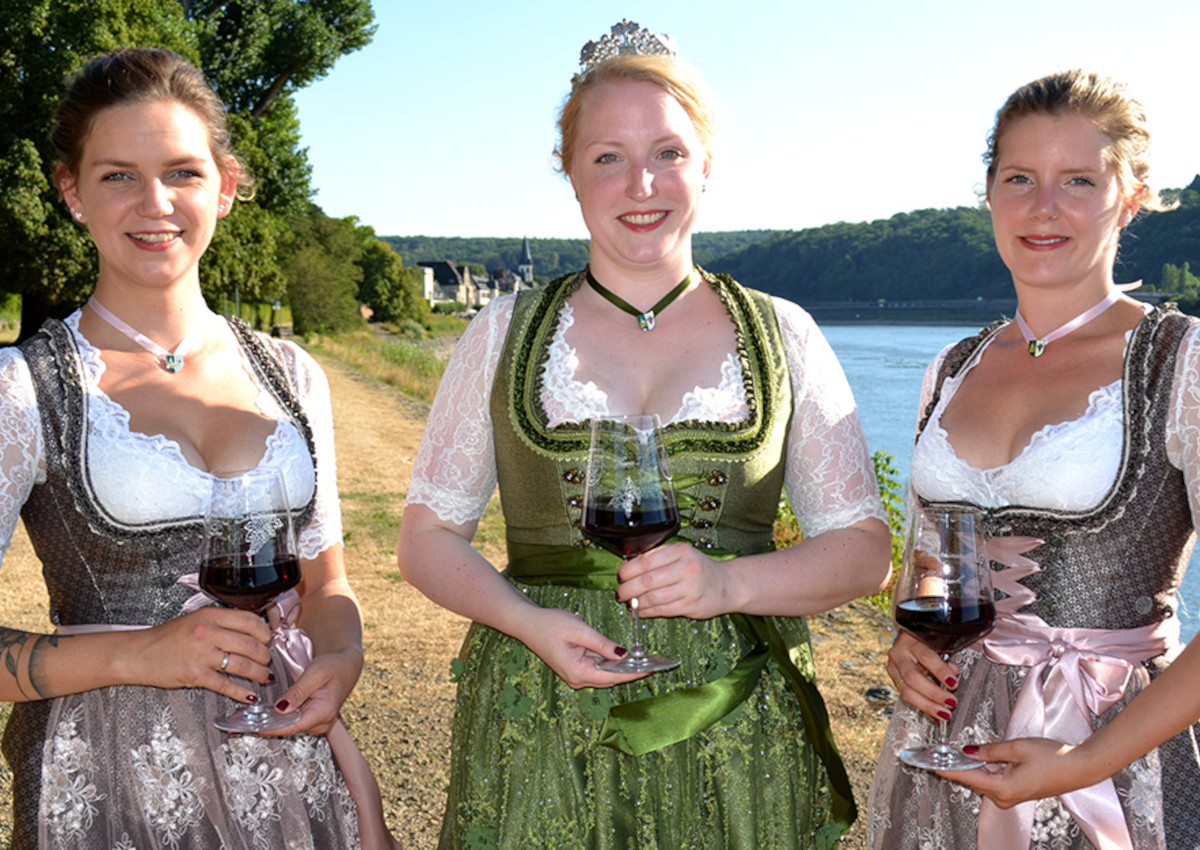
{"x": 649, "y": 724}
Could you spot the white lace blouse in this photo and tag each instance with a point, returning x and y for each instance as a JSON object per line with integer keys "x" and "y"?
{"x": 829, "y": 478}
{"x": 1067, "y": 466}
{"x": 139, "y": 477}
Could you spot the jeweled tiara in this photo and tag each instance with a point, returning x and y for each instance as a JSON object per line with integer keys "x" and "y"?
{"x": 627, "y": 37}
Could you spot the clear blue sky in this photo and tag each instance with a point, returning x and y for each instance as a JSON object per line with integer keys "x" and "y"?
{"x": 830, "y": 111}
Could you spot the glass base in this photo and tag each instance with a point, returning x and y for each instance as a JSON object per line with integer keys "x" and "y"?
{"x": 254, "y": 719}
{"x": 939, "y": 759}
{"x": 639, "y": 664}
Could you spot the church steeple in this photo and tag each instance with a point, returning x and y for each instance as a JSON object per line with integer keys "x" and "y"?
{"x": 525, "y": 267}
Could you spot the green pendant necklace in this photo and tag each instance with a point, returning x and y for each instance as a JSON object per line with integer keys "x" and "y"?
{"x": 645, "y": 320}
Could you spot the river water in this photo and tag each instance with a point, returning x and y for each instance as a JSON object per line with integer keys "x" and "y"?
{"x": 885, "y": 364}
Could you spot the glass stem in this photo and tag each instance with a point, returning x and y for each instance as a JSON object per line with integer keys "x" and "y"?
{"x": 637, "y": 650}
{"x": 943, "y": 745}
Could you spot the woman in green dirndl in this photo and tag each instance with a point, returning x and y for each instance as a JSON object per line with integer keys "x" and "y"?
{"x": 732, "y": 748}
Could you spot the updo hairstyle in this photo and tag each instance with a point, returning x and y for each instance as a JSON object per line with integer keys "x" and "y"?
{"x": 139, "y": 75}
{"x": 1102, "y": 101}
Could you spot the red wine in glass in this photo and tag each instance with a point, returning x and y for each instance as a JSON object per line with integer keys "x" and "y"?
{"x": 632, "y": 534}
{"x": 249, "y": 557}
{"x": 629, "y": 508}
{"x": 248, "y": 583}
{"x": 944, "y": 624}
{"x": 943, "y": 598}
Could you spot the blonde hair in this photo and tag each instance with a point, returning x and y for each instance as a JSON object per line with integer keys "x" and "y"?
{"x": 679, "y": 80}
{"x": 1105, "y": 103}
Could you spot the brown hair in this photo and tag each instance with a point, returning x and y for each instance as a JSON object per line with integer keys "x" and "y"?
{"x": 139, "y": 75}
{"x": 1106, "y": 104}
{"x": 680, "y": 81}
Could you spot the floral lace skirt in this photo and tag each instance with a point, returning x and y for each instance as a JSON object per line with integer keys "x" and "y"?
{"x": 136, "y": 767}
{"x": 914, "y": 809}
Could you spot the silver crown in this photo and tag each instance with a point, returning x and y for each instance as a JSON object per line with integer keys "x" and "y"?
{"x": 627, "y": 37}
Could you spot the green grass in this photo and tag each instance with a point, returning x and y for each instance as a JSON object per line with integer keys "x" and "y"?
{"x": 413, "y": 368}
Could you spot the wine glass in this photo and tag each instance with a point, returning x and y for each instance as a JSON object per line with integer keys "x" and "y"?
{"x": 249, "y": 556}
{"x": 629, "y": 508}
{"x": 944, "y": 598}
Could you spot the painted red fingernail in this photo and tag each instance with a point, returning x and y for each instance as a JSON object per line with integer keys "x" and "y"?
{"x": 270, "y": 678}
{"x": 951, "y": 682}
{"x": 252, "y": 698}
{"x": 282, "y": 705}
{"x": 945, "y": 715}
{"x": 952, "y": 702}
{"x": 621, "y": 651}
{"x": 970, "y": 750}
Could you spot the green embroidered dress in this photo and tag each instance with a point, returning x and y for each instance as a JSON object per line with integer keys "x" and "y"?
{"x": 732, "y": 748}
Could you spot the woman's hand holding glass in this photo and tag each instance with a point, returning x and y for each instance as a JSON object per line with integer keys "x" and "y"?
{"x": 571, "y": 648}
{"x": 943, "y": 598}
{"x": 629, "y": 509}
{"x": 188, "y": 651}
{"x": 676, "y": 580}
{"x": 924, "y": 680}
{"x": 249, "y": 556}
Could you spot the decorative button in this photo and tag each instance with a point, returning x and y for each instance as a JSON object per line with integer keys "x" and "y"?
{"x": 575, "y": 501}
{"x": 573, "y": 476}
{"x": 708, "y": 503}
{"x": 1143, "y": 604}
{"x": 717, "y": 478}
{"x": 702, "y": 523}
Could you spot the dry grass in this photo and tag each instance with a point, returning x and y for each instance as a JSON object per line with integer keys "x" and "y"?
{"x": 401, "y": 711}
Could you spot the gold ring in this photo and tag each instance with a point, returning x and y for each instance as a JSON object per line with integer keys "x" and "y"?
{"x": 224, "y": 663}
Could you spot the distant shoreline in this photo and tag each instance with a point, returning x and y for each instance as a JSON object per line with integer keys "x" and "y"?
{"x": 957, "y": 312}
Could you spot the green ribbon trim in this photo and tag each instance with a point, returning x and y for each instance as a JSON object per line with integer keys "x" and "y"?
{"x": 645, "y": 725}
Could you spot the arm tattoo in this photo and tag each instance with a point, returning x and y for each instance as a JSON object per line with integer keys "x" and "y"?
{"x": 24, "y": 660}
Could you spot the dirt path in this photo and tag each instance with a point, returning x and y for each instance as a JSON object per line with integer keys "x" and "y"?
{"x": 401, "y": 710}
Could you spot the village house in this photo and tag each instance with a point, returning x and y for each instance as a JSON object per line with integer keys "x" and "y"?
{"x": 447, "y": 282}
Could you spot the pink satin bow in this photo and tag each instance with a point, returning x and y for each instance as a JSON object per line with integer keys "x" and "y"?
{"x": 1074, "y": 675}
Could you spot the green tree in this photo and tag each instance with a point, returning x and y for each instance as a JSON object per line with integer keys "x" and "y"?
{"x": 323, "y": 273}
{"x": 391, "y": 291}
{"x": 1180, "y": 285}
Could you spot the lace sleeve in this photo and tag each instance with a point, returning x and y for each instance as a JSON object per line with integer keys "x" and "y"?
{"x": 1183, "y": 424}
{"x": 20, "y": 442}
{"x": 324, "y": 529}
{"x": 455, "y": 470}
{"x": 830, "y": 478}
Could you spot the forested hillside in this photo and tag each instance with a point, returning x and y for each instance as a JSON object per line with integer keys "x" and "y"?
{"x": 949, "y": 254}
{"x": 926, "y": 255}
{"x": 551, "y": 257}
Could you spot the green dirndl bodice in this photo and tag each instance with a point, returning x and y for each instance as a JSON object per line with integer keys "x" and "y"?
{"x": 729, "y": 750}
